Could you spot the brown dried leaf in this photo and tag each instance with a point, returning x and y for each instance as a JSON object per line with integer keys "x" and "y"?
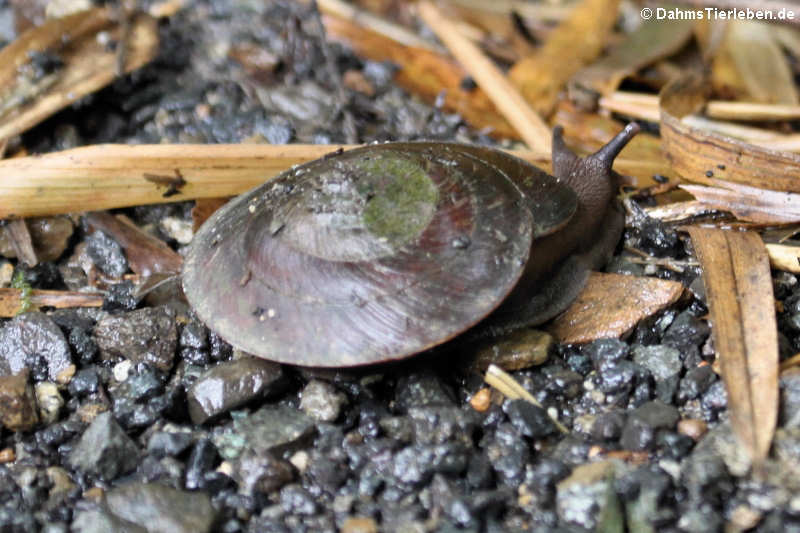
{"x": 739, "y": 289}
{"x": 577, "y": 41}
{"x": 146, "y": 254}
{"x": 28, "y": 95}
{"x": 11, "y": 300}
{"x": 424, "y": 72}
{"x": 750, "y": 65}
{"x": 653, "y": 40}
{"x": 749, "y": 203}
{"x": 204, "y": 208}
{"x": 694, "y": 153}
{"x": 611, "y": 304}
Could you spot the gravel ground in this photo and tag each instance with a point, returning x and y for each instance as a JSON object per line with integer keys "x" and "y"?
{"x": 163, "y": 427}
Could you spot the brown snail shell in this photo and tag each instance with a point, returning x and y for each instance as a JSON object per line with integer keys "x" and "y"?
{"x": 384, "y": 251}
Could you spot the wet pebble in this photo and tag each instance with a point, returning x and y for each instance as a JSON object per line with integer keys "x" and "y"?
{"x": 321, "y": 401}
{"x": 519, "y": 349}
{"x": 582, "y": 498}
{"x": 147, "y": 335}
{"x": 49, "y": 400}
{"x": 529, "y": 419}
{"x": 640, "y": 429}
{"x": 296, "y": 500}
{"x": 86, "y": 381}
{"x": 162, "y": 509}
{"x": 440, "y": 424}
{"x": 608, "y": 426}
{"x": 169, "y": 443}
{"x": 104, "y": 450}
{"x": 231, "y": 384}
{"x": 273, "y": 428}
{"x": 664, "y": 363}
{"x": 33, "y": 341}
{"x": 695, "y": 382}
{"x": 107, "y": 254}
{"x": 261, "y": 472}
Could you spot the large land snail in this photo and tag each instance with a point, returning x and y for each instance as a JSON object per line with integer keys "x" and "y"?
{"x": 383, "y": 251}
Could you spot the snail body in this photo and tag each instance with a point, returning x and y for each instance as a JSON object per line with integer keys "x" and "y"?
{"x": 383, "y": 251}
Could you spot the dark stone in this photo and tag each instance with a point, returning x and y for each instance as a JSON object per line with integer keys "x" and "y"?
{"x": 232, "y": 384}
{"x": 508, "y": 452}
{"x": 529, "y": 419}
{"x": 608, "y": 426}
{"x": 202, "y": 460}
{"x": 606, "y": 352}
{"x": 273, "y": 428}
{"x": 421, "y": 389}
{"x": 120, "y": 297}
{"x": 168, "y": 443}
{"x": 147, "y": 335}
{"x": 685, "y": 331}
{"x": 617, "y": 378}
{"x": 439, "y": 424}
{"x": 640, "y": 430}
{"x": 673, "y": 445}
{"x": 104, "y": 450}
{"x": 162, "y": 509}
{"x": 33, "y": 341}
{"x": 296, "y": 500}
{"x": 261, "y": 472}
{"x": 563, "y": 381}
{"x": 106, "y": 254}
{"x": 83, "y": 344}
{"x": 85, "y": 381}
{"x": 695, "y": 382}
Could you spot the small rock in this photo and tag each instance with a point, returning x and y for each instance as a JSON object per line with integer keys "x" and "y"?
{"x": 49, "y": 400}
{"x": 122, "y": 370}
{"x": 419, "y": 389}
{"x": 169, "y": 443}
{"x": 440, "y": 424}
{"x": 519, "y": 349}
{"x": 273, "y": 428}
{"x": 147, "y": 335}
{"x": 86, "y": 381}
{"x": 692, "y": 427}
{"x": 107, "y": 254}
{"x": 50, "y": 236}
{"x": 261, "y": 472}
{"x": 790, "y": 399}
{"x": 640, "y": 429}
{"x": 321, "y": 401}
{"x": 531, "y": 420}
{"x": 481, "y": 400}
{"x": 605, "y": 352}
{"x": 608, "y": 426}
{"x": 17, "y": 402}
{"x": 662, "y": 361}
{"x": 202, "y": 460}
{"x": 586, "y": 498}
{"x": 178, "y": 229}
{"x": 696, "y": 382}
{"x": 162, "y": 509}
{"x": 32, "y": 340}
{"x": 102, "y": 521}
{"x": 296, "y": 500}
{"x": 104, "y": 450}
{"x": 231, "y": 384}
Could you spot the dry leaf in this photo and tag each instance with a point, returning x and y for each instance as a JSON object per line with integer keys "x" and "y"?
{"x": 577, "y": 41}
{"x": 423, "y": 72}
{"x": 699, "y": 155}
{"x": 611, "y": 304}
{"x": 653, "y": 40}
{"x": 749, "y": 203}
{"x": 784, "y": 257}
{"x": 77, "y": 63}
{"x": 750, "y": 65}
{"x": 11, "y": 300}
{"x": 739, "y": 290}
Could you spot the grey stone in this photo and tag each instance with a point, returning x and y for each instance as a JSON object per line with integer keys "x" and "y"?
{"x": 162, "y": 509}
{"x": 148, "y": 335}
{"x": 104, "y": 450}
{"x": 274, "y": 428}
{"x": 232, "y": 384}
{"x": 662, "y": 361}
{"x": 321, "y": 401}
{"x": 101, "y": 521}
{"x": 33, "y": 341}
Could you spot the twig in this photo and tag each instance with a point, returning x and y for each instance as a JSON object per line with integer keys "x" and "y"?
{"x": 503, "y": 382}
{"x": 94, "y": 178}
{"x": 22, "y": 243}
{"x": 505, "y": 96}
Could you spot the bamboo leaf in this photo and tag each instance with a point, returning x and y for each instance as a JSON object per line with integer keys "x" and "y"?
{"x": 739, "y": 288}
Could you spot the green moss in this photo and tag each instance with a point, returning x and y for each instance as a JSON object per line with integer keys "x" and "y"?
{"x": 26, "y": 292}
{"x": 403, "y": 198}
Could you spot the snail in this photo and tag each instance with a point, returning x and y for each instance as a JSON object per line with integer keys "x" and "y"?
{"x": 386, "y": 250}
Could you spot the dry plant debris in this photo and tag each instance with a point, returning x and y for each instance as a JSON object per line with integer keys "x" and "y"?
{"x": 739, "y": 288}
{"x": 611, "y": 305}
{"x": 54, "y": 65}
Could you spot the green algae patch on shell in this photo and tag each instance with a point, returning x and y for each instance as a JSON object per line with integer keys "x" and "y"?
{"x": 370, "y": 255}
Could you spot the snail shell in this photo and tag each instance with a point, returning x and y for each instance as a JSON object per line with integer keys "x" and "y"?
{"x": 377, "y": 253}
